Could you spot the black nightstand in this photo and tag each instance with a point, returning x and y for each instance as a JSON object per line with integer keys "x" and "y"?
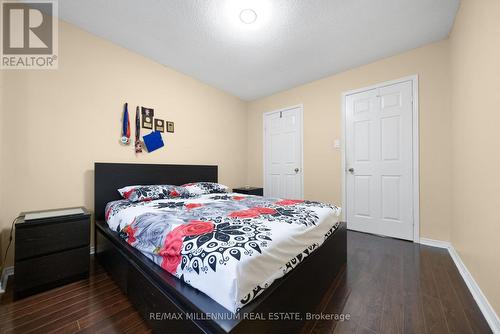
{"x": 250, "y": 191}
{"x": 50, "y": 252}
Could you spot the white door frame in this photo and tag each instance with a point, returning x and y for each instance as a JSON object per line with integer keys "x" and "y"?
{"x": 301, "y": 122}
{"x": 415, "y": 136}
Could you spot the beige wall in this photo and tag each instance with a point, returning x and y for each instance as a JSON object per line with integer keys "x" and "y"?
{"x": 475, "y": 233}
{"x": 322, "y": 125}
{"x": 60, "y": 122}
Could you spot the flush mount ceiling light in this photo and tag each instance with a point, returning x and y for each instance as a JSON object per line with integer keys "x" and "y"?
{"x": 245, "y": 20}
{"x": 248, "y": 16}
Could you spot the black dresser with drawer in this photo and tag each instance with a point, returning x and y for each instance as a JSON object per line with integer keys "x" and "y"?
{"x": 50, "y": 252}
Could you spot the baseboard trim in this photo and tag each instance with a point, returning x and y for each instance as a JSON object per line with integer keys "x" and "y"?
{"x": 9, "y": 271}
{"x": 435, "y": 243}
{"x": 481, "y": 300}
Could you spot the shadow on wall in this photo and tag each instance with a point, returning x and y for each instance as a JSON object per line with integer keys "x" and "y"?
{"x": 3, "y": 234}
{"x": 4, "y": 242}
{"x": 88, "y": 199}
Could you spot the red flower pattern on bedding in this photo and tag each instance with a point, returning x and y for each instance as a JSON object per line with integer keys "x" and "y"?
{"x": 264, "y": 211}
{"x": 238, "y": 198}
{"x": 130, "y": 233}
{"x": 127, "y": 194}
{"x": 289, "y": 202}
{"x": 249, "y": 213}
{"x": 197, "y": 227}
{"x": 107, "y": 213}
{"x": 171, "y": 251}
{"x": 252, "y": 212}
{"x": 190, "y": 206}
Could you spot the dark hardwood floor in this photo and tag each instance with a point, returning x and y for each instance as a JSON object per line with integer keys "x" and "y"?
{"x": 395, "y": 286}
{"x": 389, "y": 286}
{"x": 94, "y": 305}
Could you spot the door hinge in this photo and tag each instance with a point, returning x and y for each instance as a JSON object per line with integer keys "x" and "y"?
{"x": 281, "y": 114}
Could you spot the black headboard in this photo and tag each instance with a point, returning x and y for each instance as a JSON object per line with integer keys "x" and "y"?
{"x": 109, "y": 177}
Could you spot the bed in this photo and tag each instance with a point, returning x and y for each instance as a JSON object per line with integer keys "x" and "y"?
{"x": 182, "y": 305}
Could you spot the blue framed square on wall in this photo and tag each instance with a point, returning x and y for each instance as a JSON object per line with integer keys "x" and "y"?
{"x": 153, "y": 141}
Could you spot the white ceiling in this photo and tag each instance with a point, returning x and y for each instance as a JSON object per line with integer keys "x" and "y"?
{"x": 291, "y": 43}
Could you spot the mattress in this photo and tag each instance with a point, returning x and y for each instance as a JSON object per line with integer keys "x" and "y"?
{"x": 229, "y": 246}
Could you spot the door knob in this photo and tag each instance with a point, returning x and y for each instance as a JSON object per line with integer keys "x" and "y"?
{"x": 296, "y": 170}
{"x": 351, "y": 170}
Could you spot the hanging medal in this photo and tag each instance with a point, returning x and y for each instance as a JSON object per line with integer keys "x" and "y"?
{"x": 138, "y": 148}
{"x": 125, "y": 140}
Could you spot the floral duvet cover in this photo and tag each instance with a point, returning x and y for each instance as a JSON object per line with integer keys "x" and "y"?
{"x": 229, "y": 246}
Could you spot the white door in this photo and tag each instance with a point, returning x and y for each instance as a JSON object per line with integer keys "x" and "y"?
{"x": 379, "y": 160}
{"x": 283, "y": 153}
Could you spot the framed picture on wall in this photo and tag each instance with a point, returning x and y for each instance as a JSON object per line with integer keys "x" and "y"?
{"x": 170, "y": 127}
{"x": 159, "y": 125}
{"x": 147, "y": 117}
